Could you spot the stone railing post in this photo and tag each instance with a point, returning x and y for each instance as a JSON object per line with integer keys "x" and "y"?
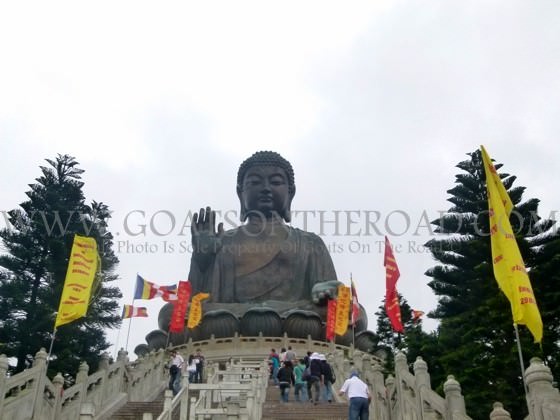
{"x": 453, "y": 397}
{"x": 421, "y": 381}
{"x": 81, "y": 378}
{"x": 400, "y": 363}
{"x": 366, "y": 369}
{"x": 3, "y": 369}
{"x": 167, "y": 398}
{"x": 40, "y": 361}
{"x": 542, "y": 395}
{"x": 58, "y": 383}
{"x": 498, "y": 413}
{"x": 359, "y": 361}
{"x": 378, "y": 391}
{"x": 122, "y": 356}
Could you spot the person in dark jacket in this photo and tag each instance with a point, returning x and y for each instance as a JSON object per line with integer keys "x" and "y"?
{"x": 315, "y": 379}
{"x": 328, "y": 378}
{"x": 285, "y": 380}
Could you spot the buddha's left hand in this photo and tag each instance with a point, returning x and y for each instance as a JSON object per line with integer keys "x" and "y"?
{"x": 325, "y": 290}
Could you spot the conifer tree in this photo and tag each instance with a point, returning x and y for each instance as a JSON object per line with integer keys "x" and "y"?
{"x": 476, "y": 336}
{"x": 37, "y": 242}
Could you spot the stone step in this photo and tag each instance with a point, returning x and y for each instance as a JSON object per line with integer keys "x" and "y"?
{"x": 305, "y": 410}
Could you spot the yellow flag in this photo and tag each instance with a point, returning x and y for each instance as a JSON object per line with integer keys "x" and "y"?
{"x": 79, "y": 280}
{"x": 509, "y": 268}
{"x": 342, "y": 310}
{"x": 195, "y": 313}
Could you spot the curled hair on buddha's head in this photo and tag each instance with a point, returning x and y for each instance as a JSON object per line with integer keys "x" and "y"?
{"x": 267, "y": 158}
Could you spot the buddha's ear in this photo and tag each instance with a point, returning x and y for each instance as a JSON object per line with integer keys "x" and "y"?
{"x": 243, "y": 210}
{"x": 288, "y": 210}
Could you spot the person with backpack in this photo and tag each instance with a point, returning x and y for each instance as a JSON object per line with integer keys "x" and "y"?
{"x": 328, "y": 378}
{"x": 285, "y": 380}
{"x": 315, "y": 378}
{"x": 300, "y": 386}
{"x": 275, "y": 360}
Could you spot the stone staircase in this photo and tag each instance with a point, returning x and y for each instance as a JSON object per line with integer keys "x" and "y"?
{"x": 275, "y": 410}
{"x": 135, "y": 410}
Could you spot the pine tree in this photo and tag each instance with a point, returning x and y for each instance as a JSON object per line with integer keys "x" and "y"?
{"x": 476, "y": 336}
{"x": 32, "y": 272}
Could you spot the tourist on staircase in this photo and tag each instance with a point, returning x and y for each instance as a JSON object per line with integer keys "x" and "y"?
{"x": 300, "y": 386}
{"x": 315, "y": 378}
{"x": 328, "y": 378}
{"x": 191, "y": 369}
{"x": 357, "y": 392}
{"x": 275, "y": 360}
{"x": 175, "y": 368}
{"x": 199, "y": 361}
{"x": 285, "y": 380}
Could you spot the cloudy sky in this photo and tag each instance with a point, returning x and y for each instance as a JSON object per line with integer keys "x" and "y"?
{"x": 374, "y": 103}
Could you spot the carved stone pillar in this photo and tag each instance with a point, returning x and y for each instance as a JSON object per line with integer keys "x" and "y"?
{"x": 40, "y": 361}
{"x": 453, "y": 397}
{"x": 544, "y": 398}
{"x": 498, "y": 413}
{"x": 58, "y": 382}
{"x": 3, "y": 369}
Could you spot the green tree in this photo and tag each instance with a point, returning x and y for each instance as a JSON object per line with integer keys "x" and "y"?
{"x": 37, "y": 242}
{"x": 476, "y": 336}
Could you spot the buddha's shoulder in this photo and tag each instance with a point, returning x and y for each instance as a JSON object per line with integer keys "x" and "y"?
{"x": 305, "y": 235}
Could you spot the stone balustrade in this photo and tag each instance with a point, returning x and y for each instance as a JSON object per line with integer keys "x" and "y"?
{"x": 236, "y": 380}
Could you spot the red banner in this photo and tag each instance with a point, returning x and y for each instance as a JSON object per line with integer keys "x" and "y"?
{"x": 392, "y": 274}
{"x": 177, "y": 323}
{"x": 331, "y": 319}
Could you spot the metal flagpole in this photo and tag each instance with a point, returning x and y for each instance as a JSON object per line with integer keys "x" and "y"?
{"x": 522, "y": 369}
{"x": 352, "y": 316}
{"x": 117, "y": 343}
{"x": 130, "y": 322}
{"x": 51, "y": 345}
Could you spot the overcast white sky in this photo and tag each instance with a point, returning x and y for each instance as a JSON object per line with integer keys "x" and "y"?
{"x": 374, "y": 103}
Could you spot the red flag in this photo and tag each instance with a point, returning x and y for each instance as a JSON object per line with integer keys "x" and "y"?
{"x": 392, "y": 274}
{"x": 355, "y": 304}
{"x": 180, "y": 306}
{"x": 331, "y": 319}
{"x": 416, "y": 315}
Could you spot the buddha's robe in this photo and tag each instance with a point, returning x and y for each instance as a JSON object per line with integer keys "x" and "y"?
{"x": 280, "y": 274}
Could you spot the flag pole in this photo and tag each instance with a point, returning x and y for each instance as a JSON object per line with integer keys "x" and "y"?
{"x": 117, "y": 343}
{"x": 520, "y": 353}
{"x": 51, "y": 345}
{"x": 130, "y": 322}
{"x": 352, "y": 317}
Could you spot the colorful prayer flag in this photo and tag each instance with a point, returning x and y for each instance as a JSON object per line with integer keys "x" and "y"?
{"x": 392, "y": 274}
{"x": 195, "y": 313}
{"x": 509, "y": 268}
{"x": 78, "y": 283}
{"x": 130, "y": 311}
{"x": 148, "y": 290}
{"x": 177, "y": 323}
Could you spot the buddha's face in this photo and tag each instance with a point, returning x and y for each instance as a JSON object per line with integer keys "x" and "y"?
{"x": 265, "y": 191}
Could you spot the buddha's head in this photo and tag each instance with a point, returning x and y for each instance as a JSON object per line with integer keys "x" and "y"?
{"x": 265, "y": 186}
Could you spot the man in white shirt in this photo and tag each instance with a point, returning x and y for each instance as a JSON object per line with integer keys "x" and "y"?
{"x": 175, "y": 367}
{"x": 357, "y": 392}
